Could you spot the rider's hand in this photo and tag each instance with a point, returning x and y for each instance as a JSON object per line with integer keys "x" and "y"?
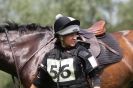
{"x": 33, "y": 86}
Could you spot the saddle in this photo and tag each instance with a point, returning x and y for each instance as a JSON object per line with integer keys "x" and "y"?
{"x": 103, "y": 46}
{"x": 98, "y": 28}
{"x": 89, "y": 36}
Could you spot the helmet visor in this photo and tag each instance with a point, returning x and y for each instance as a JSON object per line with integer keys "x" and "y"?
{"x": 69, "y": 30}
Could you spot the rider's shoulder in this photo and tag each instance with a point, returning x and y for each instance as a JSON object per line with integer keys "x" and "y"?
{"x": 83, "y": 51}
{"x": 51, "y": 52}
{"x": 82, "y": 46}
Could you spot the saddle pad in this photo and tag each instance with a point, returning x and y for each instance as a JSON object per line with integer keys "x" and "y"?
{"x": 106, "y": 56}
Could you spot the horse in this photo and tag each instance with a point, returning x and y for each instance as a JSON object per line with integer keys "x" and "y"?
{"x": 120, "y": 75}
{"x": 29, "y": 44}
{"x": 21, "y": 54}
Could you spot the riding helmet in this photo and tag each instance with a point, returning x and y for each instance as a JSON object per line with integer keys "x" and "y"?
{"x": 65, "y": 25}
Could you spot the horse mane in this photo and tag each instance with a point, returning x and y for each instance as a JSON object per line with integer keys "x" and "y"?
{"x": 13, "y": 26}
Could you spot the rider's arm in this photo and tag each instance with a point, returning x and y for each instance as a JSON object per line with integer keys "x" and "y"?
{"x": 89, "y": 61}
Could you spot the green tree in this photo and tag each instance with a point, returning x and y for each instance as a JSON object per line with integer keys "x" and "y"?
{"x": 125, "y": 16}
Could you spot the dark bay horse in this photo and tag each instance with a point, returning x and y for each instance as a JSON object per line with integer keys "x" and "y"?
{"x": 29, "y": 47}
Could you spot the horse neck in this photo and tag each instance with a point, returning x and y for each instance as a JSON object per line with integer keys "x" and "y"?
{"x": 7, "y": 67}
{"x": 34, "y": 45}
{"x": 5, "y": 52}
{"x": 20, "y": 43}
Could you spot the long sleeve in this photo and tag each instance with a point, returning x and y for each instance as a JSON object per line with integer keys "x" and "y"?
{"x": 89, "y": 61}
{"x": 43, "y": 79}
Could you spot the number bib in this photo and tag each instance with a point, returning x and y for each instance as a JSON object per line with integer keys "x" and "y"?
{"x": 66, "y": 70}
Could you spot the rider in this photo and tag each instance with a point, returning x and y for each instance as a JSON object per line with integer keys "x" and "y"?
{"x": 69, "y": 63}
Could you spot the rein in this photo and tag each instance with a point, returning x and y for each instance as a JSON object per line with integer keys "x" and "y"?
{"x": 14, "y": 58}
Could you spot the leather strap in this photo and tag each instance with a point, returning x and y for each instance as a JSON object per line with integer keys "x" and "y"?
{"x": 108, "y": 47}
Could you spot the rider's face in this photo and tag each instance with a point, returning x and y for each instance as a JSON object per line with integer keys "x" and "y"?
{"x": 70, "y": 40}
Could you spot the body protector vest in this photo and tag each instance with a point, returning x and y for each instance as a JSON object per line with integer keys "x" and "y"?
{"x": 68, "y": 67}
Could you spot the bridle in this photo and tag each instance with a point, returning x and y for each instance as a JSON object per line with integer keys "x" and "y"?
{"x": 14, "y": 58}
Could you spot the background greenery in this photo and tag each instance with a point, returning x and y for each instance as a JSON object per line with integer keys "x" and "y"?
{"x": 5, "y": 80}
{"x": 118, "y": 15}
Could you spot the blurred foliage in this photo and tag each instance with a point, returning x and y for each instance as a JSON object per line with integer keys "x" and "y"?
{"x": 118, "y": 14}
{"x": 5, "y": 80}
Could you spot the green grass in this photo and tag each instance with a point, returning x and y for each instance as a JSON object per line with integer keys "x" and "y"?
{"x": 6, "y": 80}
